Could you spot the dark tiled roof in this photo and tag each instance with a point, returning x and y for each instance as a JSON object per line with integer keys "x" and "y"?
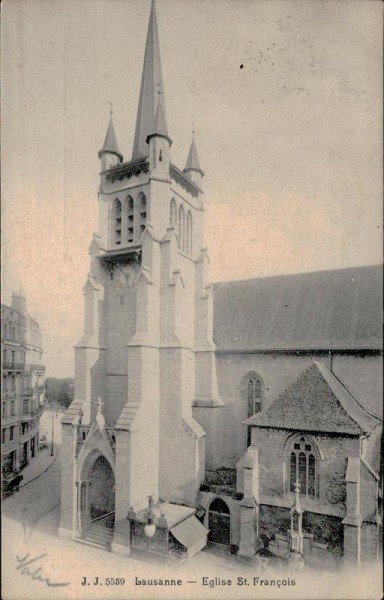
{"x": 316, "y": 401}
{"x": 373, "y": 449}
{"x": 340, "y": 310}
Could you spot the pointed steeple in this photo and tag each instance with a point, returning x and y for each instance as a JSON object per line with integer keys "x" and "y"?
{"x": 160, "y": 123}
{"x": 151, "y": 84}
{"x": 193, "y": 159}
{"x": 110, "y": 144}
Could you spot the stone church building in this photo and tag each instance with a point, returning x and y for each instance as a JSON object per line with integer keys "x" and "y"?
{"x": 199, "y": 408}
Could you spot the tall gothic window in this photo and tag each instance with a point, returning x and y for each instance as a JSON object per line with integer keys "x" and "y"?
{"x": 188, "y": 240}
{"x": 302, "y": 466}
{"x": 117, "y": 222}
{"x": 181, "y": 228}
{"x": 142, "y": 207}
{"x": 172, "y": 213}
{"x": 252, "y": 389}
{"x": 130, "y": 219}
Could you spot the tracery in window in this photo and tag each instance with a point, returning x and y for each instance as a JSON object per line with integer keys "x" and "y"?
{"x": 252, "y": 391}
{"x": 302, "y": 467}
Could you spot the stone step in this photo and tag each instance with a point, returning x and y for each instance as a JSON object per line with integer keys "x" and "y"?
{"x": 86, "y": 542}
{"x": 103, "y": 536}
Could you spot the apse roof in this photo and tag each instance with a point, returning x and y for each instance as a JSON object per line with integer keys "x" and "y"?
{"x": 317, "y": 401}
{"x": 329, "y": 310}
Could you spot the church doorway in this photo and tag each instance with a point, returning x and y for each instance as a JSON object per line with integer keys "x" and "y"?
{"x": 101, "y": 502}
{"x": 219, "y": 523}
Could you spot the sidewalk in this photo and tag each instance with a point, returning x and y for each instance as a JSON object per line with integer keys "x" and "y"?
{"x": 38, "y": 465}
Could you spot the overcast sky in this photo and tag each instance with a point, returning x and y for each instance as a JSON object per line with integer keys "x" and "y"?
{"x": 286, "y": 100}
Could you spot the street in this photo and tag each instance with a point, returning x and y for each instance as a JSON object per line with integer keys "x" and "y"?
{"x": 36, "y": 499}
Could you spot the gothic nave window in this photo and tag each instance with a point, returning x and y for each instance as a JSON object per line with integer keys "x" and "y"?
{"x": 302, "y": 467}
{"x": 181, "y": 228}
{"x": 188, "y": 243}
{"x": 252, "y": 396}
{"x": 172, "y": 213}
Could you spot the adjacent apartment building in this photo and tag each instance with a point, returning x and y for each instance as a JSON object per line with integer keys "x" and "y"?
{"x": 22, "y": 387}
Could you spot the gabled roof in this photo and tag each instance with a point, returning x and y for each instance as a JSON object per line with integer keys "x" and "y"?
{"x": 193, "y": 163}
{"x": 110, "y": 142}
{"x": 329, "y": 310}
{"x": 151, "y": 84}
{"x": 317, "y": 401}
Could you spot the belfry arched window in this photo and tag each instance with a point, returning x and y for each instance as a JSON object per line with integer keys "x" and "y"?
{"x": 303, "y": 466}
{"x": 142, "y": 208}
{"x": 117, "y": 222}
{"x": 172, "y": 213}
{"x": 252, "y": 391}
{"x": 181, "y": 227}
{"x": 188, "y": 240}
{"x": 130, "y": 219}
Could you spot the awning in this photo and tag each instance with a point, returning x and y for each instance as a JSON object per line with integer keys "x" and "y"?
{"x": 189, "y": 531}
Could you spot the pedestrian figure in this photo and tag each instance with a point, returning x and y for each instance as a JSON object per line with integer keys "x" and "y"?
{"x": 24, "y": 520}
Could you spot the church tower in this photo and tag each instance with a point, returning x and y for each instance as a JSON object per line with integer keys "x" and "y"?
{"x": 145, "y": 364}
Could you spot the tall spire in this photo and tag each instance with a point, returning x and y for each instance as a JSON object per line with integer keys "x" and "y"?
{"x": 151, "y": 84}
{"x": 110, "y": 142}
{"x": 160, "y": 123}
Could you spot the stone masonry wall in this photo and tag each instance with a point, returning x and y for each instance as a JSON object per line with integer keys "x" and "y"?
{"x": 362, "y": 375}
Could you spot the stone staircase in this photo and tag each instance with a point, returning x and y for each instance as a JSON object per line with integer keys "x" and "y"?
{"x": 97, "y": 534}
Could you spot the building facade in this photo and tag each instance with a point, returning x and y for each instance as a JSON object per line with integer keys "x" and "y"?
{"x": 22, "y": 385}
{"x": 170, "y": 373}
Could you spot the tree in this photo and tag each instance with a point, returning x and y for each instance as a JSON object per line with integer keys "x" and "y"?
{"x": 59, "y": 391}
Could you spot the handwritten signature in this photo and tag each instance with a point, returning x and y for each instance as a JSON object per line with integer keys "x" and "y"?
{"x": 37, "y": 575}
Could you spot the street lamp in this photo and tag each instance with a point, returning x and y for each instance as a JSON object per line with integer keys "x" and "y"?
{"x": 150, "y": 527}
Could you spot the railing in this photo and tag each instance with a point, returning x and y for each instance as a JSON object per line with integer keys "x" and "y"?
{"x": 39, "y": 368}
{"x": 12, "y": 366}
{"x": 107, "y": 520}
{"x": 27, "y": 391}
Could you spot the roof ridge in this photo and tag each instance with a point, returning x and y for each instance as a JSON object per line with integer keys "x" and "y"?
{"x": 327, "y": 375}
{"x": 295, "y": 274}
{"x": 355, "y": 398}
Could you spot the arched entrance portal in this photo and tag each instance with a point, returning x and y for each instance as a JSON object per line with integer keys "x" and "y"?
{"x": 219, "y": 523}
{"x": 96, "y": 496}
{"x": 102, "y": 489}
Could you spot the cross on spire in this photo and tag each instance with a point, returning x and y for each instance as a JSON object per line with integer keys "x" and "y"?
{"x": 111, "y": 109}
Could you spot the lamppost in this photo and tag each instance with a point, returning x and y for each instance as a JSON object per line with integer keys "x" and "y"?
{"x": 150, "y": 527}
